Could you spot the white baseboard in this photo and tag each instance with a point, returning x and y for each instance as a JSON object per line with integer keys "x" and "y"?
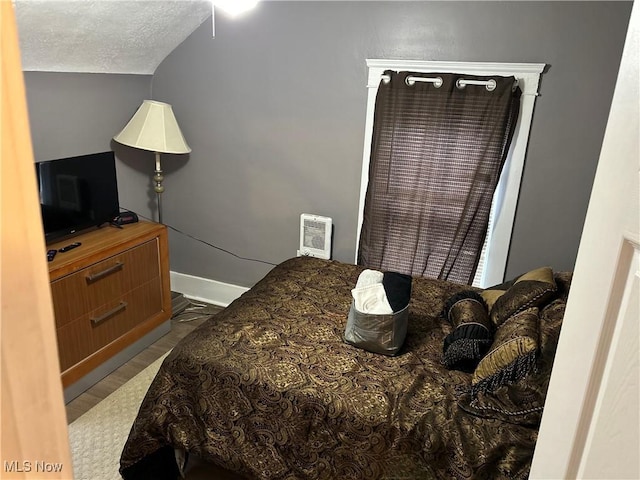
{"x": 205, "y": 290}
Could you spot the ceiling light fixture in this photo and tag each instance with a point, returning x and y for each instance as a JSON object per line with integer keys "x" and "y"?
{"x": 235, "y": 7}
{"x": 232, "y": 8}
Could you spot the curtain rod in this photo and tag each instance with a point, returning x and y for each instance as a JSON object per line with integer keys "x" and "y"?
{"x": 490, "y": 85}
{"x": 437, "y": 81}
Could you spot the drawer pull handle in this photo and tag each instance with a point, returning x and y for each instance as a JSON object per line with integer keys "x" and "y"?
{"x": 108, "y": 271}
{"x": 97, "y": 320}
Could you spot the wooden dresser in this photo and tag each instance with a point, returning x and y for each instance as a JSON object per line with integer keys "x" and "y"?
{"x": 108, "y": 293}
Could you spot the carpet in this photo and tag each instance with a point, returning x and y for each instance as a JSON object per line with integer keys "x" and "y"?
{"x": 98, "y": 437}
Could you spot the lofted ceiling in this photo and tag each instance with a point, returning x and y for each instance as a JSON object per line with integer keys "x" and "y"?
{"x": 104, "y": 36}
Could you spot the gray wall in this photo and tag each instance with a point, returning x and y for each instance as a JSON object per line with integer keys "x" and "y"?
{"x": 274, "y": 110}
{"x": 77, "y": 113}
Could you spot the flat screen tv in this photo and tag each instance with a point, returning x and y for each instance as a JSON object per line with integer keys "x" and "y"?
{"x": 77, "y": 193}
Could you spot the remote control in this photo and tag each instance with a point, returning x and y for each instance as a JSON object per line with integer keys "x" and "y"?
{"x": 70, "y": 247}
{"x": 51, "y": 254}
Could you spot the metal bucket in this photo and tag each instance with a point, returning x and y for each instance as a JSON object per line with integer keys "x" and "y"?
{"x": 383, "y": 334}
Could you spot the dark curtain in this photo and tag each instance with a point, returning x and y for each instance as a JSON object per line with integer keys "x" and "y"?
{"x": 436, "y": 157}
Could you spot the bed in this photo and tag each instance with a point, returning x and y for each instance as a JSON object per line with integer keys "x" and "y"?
{"x": 269, "y": 389}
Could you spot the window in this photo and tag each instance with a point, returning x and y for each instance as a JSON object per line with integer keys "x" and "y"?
{"x": 493, "y": 261}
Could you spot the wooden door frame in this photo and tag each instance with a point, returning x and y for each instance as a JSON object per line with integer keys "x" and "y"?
{"x": 34, "y": 439}
{"x": 582, "y": 368}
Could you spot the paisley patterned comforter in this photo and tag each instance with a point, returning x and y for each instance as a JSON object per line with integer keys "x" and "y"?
{"x": 269, "y": 389}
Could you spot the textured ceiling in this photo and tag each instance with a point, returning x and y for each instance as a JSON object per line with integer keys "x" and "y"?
{"x": 104, "y": 36}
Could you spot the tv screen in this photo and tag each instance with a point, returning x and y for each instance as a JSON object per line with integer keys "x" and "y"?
{"x": 77, "y": 193}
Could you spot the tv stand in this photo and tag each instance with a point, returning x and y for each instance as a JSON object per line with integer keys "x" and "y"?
{"x": 110, "y": 295}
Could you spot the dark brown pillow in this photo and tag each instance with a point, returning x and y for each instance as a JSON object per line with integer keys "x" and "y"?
{"x": 521, "y": 402}
{"x": 533, "y": 289}
{"x": 472, "y": 333}
{"x": 506, "y": 384}
{"x": 512, "y": 355}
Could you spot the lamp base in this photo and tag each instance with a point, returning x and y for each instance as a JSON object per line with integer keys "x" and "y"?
{"x": 158, "y": 177}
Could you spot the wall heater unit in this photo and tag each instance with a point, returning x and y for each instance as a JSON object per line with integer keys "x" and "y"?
{"x": 315, "y": 236}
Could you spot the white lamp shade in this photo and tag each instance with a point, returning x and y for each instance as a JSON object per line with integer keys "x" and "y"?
{"x": 154, "y": 127}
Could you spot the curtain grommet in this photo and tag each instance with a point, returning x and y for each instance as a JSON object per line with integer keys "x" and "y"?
{"x": 411, "y": 81}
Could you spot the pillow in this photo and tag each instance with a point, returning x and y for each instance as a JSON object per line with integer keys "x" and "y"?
{"x": 512, "y": 355}
{"x": 472, "y": 335}
{"x": 517, "y": 397}
{"x": 520, "y": 403}
{"x": 533, "y": 289}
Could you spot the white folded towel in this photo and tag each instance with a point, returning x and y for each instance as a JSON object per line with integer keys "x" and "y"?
{"x": 369, "y": 295}
{"x": 369, "y": 277}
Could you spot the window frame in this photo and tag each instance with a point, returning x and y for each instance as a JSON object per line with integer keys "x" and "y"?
{"x": 503, "y": 208}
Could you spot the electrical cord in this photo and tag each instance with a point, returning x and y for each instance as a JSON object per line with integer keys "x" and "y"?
{"x": 219, "y": 248}
{"x": 211, "y": 244}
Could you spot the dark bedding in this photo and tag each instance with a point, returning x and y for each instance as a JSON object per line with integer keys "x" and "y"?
{"x": 269, "y": 389}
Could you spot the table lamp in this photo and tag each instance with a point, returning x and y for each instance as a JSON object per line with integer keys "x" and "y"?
{"x": 154, "y": 127}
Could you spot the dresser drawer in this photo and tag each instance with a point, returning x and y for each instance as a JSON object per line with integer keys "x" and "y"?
{"x": 104, "y": 283}
{"x": 108, "y": 294}
{"x": 87, "y": 334}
